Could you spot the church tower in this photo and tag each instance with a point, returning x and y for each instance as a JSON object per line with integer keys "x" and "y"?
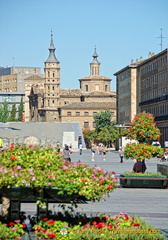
{"x": 94, "y": 65}
{"x": 95, "y": 82}
{"x": 51, "y": 85}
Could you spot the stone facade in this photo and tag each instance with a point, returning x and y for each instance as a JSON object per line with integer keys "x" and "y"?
{"x": 142, "y": 86}
{"x": 52, "y": 104}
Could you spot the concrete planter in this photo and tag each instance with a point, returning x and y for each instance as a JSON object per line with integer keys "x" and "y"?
{"x": 129, "y": 181}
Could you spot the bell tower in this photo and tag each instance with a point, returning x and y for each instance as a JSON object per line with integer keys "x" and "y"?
{"x": 51, "y": 84}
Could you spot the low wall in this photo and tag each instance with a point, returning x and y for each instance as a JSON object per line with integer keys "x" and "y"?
{"x": 163, "y": 168}
{"x": 47, "y": 133}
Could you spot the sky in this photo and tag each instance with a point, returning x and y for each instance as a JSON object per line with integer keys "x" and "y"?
{"x": 121, "y": 30}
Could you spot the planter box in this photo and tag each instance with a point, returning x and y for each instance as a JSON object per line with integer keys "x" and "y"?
{"x": 130, "y": 181}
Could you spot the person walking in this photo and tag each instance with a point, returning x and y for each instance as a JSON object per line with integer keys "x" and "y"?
{"x": 121, "y": 154}
{"x": 80, "y": 149}
{"x": 67, "y": 153}
{"x": 104, "y": 150}
{"x": 93, "y": 151}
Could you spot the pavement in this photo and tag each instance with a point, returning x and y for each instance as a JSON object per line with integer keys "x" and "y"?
{"x": 149, "y": 204}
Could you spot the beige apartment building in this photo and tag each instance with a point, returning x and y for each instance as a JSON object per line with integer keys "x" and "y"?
{"x": 153, "y": 81}
{"x": 143, "y": 86}
{"x": 47, "y": 102}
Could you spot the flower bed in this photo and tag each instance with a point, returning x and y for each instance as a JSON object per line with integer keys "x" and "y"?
{"x": 101, "y": 227}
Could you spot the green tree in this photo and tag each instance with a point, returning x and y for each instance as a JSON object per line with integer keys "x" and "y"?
{"x": 103, "y": 119}
{"x": 89, "y": 136}
{"x": 12, "y": 117}
{"x": 4, "y": 113}
{"x": 108, "y": 135}
{"x": 20, "y": 110}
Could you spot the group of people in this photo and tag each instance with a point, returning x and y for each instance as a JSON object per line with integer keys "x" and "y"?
{"x": 100, "y": 149}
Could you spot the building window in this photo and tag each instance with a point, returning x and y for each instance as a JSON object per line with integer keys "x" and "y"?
{"x": 86, "y": 86}
{"x": 86, "y": 113}
{"x": 94, "y": 125}
{"x": 48, "y": 74}
{"x": 69, "y": 114}
{"x": 105, "y": 88}
{"x": 77, "y": 113}
{"x": 86, "y": 124}
{"x": 82, "y": 98}
{"x": 94, "y": 113}
{"x": 97, "y": 87}
{"x": 53, "y": 74}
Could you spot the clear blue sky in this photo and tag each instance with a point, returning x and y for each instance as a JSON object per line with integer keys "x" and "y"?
{"x": 121, "y": 30}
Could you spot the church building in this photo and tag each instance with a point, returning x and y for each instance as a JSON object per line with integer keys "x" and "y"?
{"x": 45, "y": 101}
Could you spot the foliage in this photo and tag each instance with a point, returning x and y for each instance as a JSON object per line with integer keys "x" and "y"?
{"x": 143, "y": 128}
{"x": 12, "y": 230}
{"x": 157, "y": 174}
{"x": 20, "y": 110}
{"x": 119, "y": 227}
{"x": 140, "y": 151}
{"x": 43, "y": 167}
{"x": 89, "y": 135}
{"x": 102, "y": 120}
{"x": 108, "y": 134}
{"x": 12, "y": 117}
{"x": 4, "y": 113}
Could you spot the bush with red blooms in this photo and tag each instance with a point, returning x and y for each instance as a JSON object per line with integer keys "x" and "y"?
{"x": 143, "y": 128}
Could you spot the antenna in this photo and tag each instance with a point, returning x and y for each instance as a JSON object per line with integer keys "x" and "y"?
{"x": 161, "y": 37}
{"x": 13, "y": 62}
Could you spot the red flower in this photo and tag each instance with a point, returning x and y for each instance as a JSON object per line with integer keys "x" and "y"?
{"x": 110, "y": 226}
{"x": 82, "y": 180}
{"x": 101, "y": 182}
{"x": 13, "y": 158}
{"x": 11, "y": 223}
{"x": 24, "y": 225}
{"x": 100, "y": 225}
{"x": 135, "y": 224}
{"x": 51, "y": 222}
{"x": 45, "y": 219}
{"x": 108, "y": 187}
{"x": 51, "y": 235}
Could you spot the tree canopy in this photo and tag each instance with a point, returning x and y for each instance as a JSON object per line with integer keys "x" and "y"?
{"x": 143, "y": 128}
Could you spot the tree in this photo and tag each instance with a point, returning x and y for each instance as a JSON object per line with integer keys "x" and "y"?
{"x": 20, "y": 110}
{"x": 143, "y": 128}
{"x": 89, "y": 136}
{"x": 12, "y": 117}
{"x": 103, "y": 119}
{"x": 108, "y": 135}
{"x": 4, "y": 113}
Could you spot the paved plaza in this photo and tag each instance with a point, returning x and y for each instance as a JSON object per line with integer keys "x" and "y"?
{"x": 150, "y": 204}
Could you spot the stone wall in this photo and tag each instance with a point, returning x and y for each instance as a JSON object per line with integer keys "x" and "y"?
{"x": 48, "y": 133}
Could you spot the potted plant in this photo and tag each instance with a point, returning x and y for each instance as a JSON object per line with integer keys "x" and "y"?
{"x": 43, "y": 170}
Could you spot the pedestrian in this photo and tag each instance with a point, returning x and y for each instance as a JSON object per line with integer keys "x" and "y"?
{"x": 67, "y": 152}
{"x": 80, "y": 149}
{"x": 121, "y": 154}
{"x": 139, "y": 167}
{"x": 104, "y": 149}
{"x": 93, "y": 151}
